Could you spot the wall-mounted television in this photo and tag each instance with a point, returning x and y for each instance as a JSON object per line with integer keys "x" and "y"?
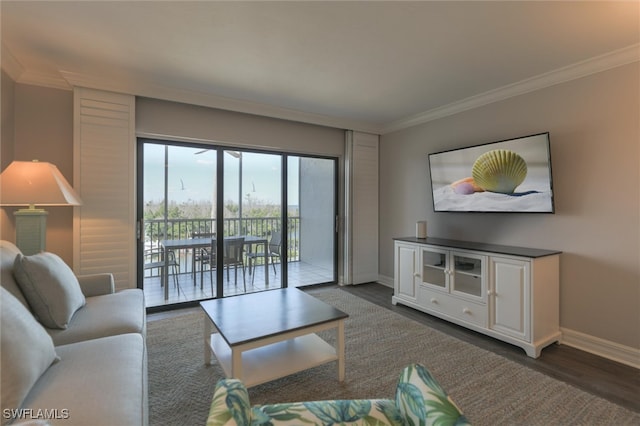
{"x": 512, "y": 176}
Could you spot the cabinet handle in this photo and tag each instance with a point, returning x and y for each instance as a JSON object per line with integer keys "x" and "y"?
{"x": 490, "y": 293}
{"x": 466, "y": 311}
{"x": 417, "y": 275}
{"x": 434, "y": 300}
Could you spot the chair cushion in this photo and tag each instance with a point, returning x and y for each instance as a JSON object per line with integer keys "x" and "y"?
{"x": 230, "y": 407}
{"x": 27, "y": 351}
{"x": 420, "y": 397}
{"x": 50, "y": 287}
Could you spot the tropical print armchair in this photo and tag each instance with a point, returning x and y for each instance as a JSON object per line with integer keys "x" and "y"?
{"x": 419, "y": 400}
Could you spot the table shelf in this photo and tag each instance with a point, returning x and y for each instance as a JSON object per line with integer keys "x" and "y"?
{"x": 266, "y": 363}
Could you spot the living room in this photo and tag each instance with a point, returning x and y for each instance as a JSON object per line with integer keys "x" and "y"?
{"x": 589, "y": 107}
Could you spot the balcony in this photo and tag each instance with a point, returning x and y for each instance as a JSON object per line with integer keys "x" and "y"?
{"x": 185, "y": 284}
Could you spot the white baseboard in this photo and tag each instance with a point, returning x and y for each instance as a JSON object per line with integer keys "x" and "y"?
{"x": 595, "y": 345}
{"x": 385, "y": 281}
{"x": 601, "y": 347}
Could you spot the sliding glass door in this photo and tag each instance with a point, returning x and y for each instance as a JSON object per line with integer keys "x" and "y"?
{"x": 217, "y": 222}
{"x": 312, "y": 233}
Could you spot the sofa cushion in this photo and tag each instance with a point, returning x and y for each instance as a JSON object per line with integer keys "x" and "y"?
{"x": 8, "y": 253}
{"x": 27, "y": 351}
{"x": 118, "y": 313}
{"x": 96, "y": 382}
{"x": 50, "y": 287}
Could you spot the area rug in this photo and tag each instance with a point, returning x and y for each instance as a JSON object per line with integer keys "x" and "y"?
{"x": 490, "y": 389}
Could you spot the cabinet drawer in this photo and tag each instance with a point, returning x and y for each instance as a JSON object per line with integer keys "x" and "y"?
{"x": 464, "y": 310}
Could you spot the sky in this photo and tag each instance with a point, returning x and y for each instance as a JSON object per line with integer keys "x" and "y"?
{"x": 192, "y": 171}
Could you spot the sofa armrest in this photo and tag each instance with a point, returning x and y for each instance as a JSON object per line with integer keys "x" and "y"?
{"x": 96, "y": 284}
{"x": 420, "y": 397}
{"x": 230, "y": 404}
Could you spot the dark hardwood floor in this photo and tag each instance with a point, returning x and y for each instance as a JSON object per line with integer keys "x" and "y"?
{"x": 611, "y": 380}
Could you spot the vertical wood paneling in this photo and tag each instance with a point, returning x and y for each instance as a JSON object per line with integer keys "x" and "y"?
{"x": 104, "y": 175}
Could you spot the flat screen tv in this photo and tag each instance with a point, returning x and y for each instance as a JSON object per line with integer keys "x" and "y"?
{"x": 512, "y": 176}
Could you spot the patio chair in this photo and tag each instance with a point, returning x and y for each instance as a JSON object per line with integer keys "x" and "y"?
{"x": 234, "y": 257}
{"x": 204, "y": 256}
{"x": 154, "y": 258}
{"x": 273, "y": 250}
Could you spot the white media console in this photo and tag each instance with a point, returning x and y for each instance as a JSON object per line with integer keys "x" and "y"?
{"x": 509, "y": 293}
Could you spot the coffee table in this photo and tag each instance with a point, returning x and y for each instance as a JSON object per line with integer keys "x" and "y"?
{"x": 271, "y": 334}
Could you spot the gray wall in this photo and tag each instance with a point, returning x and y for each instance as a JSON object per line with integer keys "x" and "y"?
{"x": 7, "y": 129}
{"x": 37, "y": 123}
{"x": 594, "y": 129}
{"x": 172, "y": 119}
{"x": 41, "y": 120}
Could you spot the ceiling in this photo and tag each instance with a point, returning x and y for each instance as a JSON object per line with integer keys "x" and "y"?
{"x": 364, "y": 65}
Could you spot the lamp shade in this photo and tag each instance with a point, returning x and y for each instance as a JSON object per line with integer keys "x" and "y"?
{"x": 29, "y": 183}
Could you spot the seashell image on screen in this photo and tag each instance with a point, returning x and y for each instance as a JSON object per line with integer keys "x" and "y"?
{"x": 513, "y": 175}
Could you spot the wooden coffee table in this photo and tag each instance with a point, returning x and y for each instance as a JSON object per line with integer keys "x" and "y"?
{"x": 263, "y": 336}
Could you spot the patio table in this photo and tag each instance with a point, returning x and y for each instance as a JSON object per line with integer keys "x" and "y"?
{"x": 194, "y": 243}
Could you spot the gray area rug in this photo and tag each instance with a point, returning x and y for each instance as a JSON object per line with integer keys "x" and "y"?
{"x": 490, "y": 389}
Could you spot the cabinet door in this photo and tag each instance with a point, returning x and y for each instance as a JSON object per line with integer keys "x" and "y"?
{"x": 405, "y": 271}
{"x": 434, "y": 268}
{"x": 468, "y": 272}
{"x": 509, "y": 297}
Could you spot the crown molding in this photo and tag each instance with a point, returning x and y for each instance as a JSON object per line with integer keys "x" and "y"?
{"x": 66, "y": 80}
{"x": 157, "y": 91}
{"x": 584, "y": 68}
{"x": 10, "y": 64}
{"x": 44, "y": 79}
{"x": 20, "y": 74}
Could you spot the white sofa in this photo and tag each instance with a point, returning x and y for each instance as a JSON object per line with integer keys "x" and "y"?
{"x": 90, "y": 371}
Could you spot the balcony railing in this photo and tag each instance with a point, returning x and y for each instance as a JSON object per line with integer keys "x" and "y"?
{"x": 156, "y": 230}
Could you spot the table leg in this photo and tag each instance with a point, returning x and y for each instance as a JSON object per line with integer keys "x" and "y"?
{"x": 266, "y": 264}
{"x": 340, "y": 349}
{"x": 165, "y": 273}
{"x": 207, "y": 340}
{"x": 236, "y": 363}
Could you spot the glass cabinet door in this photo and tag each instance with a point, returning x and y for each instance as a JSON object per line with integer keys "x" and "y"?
{"x": 434, "y": 268}
{"x": 468, "y": 275}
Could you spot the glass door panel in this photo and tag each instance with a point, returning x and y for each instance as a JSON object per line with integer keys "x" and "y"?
{"x": 468, "y": 275}
{"x": 178, "y": 202}
{"x": 434, "y": 265}
{"x": 311, "y": 208}
{"x": 252, "y": 221}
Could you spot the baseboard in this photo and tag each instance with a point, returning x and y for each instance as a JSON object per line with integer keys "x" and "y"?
{"x": 601, "y": 347}
{"x": 385, "y": 281}
{"x": 604, "y": 348}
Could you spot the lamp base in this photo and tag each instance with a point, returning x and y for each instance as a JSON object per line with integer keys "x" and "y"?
{"x": 31, "y": 230}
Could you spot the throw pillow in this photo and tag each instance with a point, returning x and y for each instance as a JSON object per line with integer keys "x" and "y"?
{"x": 27, "y": 351}
{"x": 50, "y": 287}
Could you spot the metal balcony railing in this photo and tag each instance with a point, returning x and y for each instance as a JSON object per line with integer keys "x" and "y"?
{"x": 156, "y": 230}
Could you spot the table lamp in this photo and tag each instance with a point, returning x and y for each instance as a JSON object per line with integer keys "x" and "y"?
{"x": 27, "y": 183}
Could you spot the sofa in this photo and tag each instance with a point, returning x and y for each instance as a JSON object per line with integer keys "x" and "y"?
{"x": 419, "y": 400}
{"x": 73, "y": 350}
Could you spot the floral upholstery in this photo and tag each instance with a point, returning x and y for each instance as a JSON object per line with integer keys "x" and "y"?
{"x": 420, "y": 400}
